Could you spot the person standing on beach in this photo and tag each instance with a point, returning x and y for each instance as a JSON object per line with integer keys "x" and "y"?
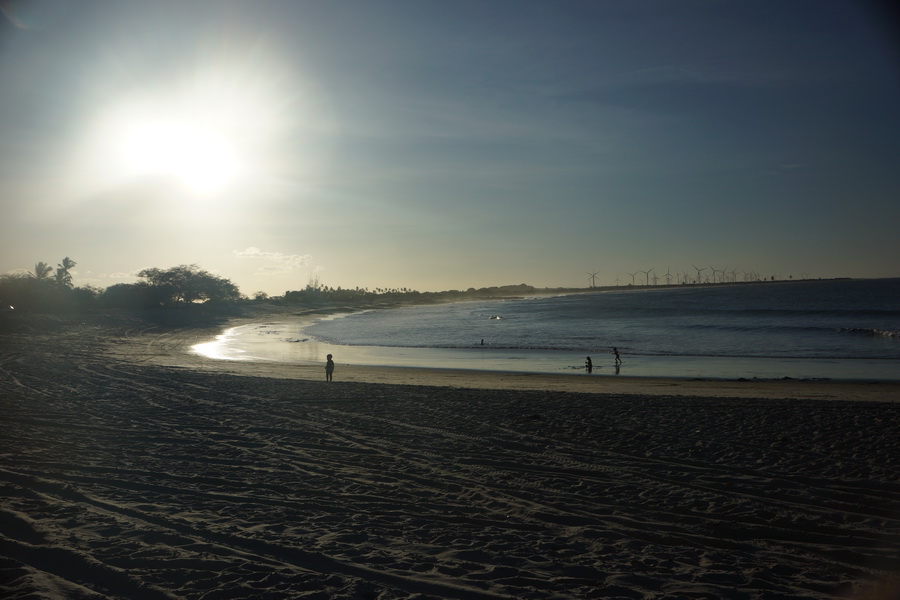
{"x": 329, "y": 368}
{"x": 618, "y": 358}
{"x": 589, "y": 365}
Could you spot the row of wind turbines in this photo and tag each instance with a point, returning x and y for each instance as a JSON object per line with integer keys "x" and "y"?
{"x": 713, "y": 275}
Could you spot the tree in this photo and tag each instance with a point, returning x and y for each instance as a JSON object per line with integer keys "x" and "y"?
{"x": 84, "y": 297}
{"x": 42, "y": 270}
{"x": 130, "y": 295}
{"x": 63, "y": 277}
{"x": 37, "y": 291}
{"x": 21, "y": 290}
{"x": 187, "y": 284}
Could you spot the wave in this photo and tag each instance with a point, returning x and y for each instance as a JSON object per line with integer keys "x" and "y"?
{"x": 872, "y": 332}
{"x": 719, "y": 312}
{"x": 762, "y": 328}
{"x": 626, "y": 352}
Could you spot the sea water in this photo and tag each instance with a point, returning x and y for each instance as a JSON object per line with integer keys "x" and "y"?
{"x": 836, "y": 329}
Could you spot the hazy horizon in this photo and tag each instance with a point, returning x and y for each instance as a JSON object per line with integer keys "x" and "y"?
{"x": 438, "y": 146}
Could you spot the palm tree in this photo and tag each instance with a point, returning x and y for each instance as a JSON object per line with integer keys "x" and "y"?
{"x": 42, "y": 270}
{"x": 63, "y": 277}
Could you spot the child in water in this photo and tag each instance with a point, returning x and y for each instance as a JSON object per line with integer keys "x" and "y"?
{"x": 329, "y": 368}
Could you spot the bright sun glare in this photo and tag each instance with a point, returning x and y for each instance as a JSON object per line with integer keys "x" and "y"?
{"x": 199, "y": 159}
{"x": 211, "y": 135}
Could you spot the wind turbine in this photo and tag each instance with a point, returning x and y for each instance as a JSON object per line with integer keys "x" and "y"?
{"x": 668, "y": 276}
{"x": 647, "y": 274}
{"x": 699, "y": 270}
{"x": 593, "y": 278}
{"x": 632, "y": 276}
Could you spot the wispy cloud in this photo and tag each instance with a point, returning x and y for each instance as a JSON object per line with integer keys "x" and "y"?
{"x": 275, "y": 262}
{"x": 120, "y": 275}
{"x": 9, "y": 12}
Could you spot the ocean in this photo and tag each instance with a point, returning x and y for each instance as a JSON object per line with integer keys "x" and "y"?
{"x": 824, "y": 329}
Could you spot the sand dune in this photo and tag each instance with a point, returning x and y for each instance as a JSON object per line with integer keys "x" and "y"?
{"x": 124, "y": 478}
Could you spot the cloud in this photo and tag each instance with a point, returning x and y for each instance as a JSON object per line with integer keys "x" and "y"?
{"x": 120, "y": 275}
{"x": 277, "y": 262}
{"x": 9, "y": 12}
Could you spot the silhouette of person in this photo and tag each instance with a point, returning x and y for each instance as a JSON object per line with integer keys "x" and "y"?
{"x": 618, "y": 358}
{"x": 588, "y": 365}
{"x": 329, "y": 368}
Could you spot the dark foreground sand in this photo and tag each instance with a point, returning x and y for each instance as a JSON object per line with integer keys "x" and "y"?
{"x": 123, "y": 477}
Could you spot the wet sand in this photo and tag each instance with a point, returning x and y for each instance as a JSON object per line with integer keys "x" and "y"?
{"x": 131, "y": 469}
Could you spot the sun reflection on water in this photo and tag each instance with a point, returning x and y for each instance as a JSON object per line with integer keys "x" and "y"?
{"x": 220, "y": 349}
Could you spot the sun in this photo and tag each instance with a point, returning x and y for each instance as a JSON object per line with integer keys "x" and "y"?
{"x": 198, "y": 158}
{"x": 224, "y": 131}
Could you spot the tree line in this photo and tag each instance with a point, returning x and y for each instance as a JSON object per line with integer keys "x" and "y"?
{"x": 44, "y": 290}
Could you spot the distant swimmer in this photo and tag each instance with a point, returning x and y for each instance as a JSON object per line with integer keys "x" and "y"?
{"x": 588, "y": 365}
{"x": 618, "y": 358}
{"x": 329, "y": 368}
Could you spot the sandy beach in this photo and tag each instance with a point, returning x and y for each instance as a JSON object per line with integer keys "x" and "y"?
{"x": 133, "y": 469}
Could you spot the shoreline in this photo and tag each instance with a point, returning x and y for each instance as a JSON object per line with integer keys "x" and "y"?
{"x": 284, "y": 338}
{"x": 174, "y": 350}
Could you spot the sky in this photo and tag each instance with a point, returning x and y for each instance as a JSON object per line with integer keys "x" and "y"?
{"x": 439, "y": 145}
